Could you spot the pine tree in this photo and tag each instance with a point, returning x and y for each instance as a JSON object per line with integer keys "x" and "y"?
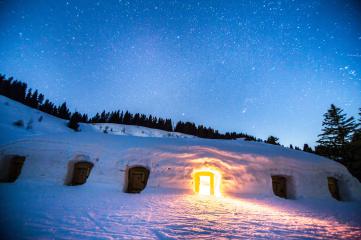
{"x": 34, "y": 100}
{"x": 352, "y": 155}
{"x": 84, "y": 118}
{"x": 272, "y": 140}
{"x": 121, "y": 118}
{"x": 40, "y": 99}
{"x": 63, "y": 111}
{"x": 28, "y": 98}
{"x": 357, "y": 134}
{"x": 307, "y": 148}
{"x": 103, "y": 117}
{"x": 168, "y": 125}
{"x": 48, "y": 107}
{"x": 136, "y": 119}
{"x": 114, "y": 117}
{"x": 127, "y": 118}
{"x": 3, "y": 83}
{"x": 96, "y": 118}
{"x": 336, "y": 133}
{"x": 74, "y": 121}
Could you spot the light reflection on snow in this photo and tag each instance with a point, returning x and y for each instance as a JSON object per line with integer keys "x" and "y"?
{"x": 69, "y": 213}
{"x": 260, "y": 220}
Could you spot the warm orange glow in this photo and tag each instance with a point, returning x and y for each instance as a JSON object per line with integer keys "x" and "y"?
{"x": 207, "y": 182}
{"x": 252, "y": 217}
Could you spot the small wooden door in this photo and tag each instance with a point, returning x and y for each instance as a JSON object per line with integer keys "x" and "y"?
{"x": 279, "y": 185}
{"x": 137, "y": 179}
{"x": 333, "y": 187}
{"x": 15, "y": 166}
{"x": 81, "y": 172}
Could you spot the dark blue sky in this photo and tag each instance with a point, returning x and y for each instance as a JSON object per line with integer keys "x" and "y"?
{"x": 270, "y": 67}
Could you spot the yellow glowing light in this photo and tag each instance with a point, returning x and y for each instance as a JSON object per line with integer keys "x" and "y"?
{"x": 205, "y": 185}
{"x": 207, "y": 182}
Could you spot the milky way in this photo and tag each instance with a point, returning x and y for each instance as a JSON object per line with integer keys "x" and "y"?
{"x": 271, "y": 67}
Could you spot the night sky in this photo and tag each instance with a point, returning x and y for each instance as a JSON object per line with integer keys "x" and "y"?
{"x": 271, "y": 67}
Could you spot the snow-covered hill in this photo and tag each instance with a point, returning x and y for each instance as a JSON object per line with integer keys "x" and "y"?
{"x": 129, "y": 130}
{"x": 36, "y": 122}
{"x": 168, "y": 206}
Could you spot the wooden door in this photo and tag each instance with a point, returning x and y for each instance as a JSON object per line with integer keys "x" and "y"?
{"x": 81, "y": 172}
{"x": 137, "y": 179}
{"x": 333, "y": 187}
{"x": 279, "y": 185}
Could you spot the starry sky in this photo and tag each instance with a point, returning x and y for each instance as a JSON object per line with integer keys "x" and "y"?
{"x": 260, "y": 67}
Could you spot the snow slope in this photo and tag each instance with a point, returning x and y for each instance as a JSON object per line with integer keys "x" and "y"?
{"x": 40, "y": 123}
{"x": 167, "y": 208}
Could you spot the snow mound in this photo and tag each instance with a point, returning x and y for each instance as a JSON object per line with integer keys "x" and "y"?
{"x": 245, "y": 167}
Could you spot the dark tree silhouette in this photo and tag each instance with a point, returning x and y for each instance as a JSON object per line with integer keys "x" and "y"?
{"x": 272, "y": 140}
{"x": 74, "y": 121}
{"x": 307, "y": 148}
{"x": 352, "y": 155}
{"x": 336, "y": 133}
{"x": 63, "y": 111}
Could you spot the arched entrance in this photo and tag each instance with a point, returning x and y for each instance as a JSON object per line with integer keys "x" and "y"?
{"x": 204, "y": 183}
{"x": 11, "y": 168}
{"x": 81, "y": 172}
{"x": 207, "y": 181}
{"x": 333, "y": 188}
{"x": 137, "y": 179}
{"x": 279, "y": 186}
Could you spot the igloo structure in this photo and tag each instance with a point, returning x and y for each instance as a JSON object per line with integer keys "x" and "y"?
{"x": 136, "y": 159}
{"x": 217, "y": 167}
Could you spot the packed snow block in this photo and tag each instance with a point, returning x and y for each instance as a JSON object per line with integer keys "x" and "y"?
{"x": 10, "y": 168}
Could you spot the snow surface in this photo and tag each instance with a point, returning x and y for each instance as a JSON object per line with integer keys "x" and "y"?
{"x": 46, "y": 211}
{"x": 39, "y": 205}
{"x": 129, "y": 130}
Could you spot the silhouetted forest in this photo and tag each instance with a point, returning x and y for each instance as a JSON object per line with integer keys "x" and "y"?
{"x": 18, "y": 91}
{"x": 340, "y": 139}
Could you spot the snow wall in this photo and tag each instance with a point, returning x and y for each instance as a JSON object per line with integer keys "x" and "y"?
{"x": 246, "y": 167}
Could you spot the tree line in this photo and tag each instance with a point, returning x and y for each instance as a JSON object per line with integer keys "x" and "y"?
{"x": 340, "y": 137}
{"x": 18, "y": 91}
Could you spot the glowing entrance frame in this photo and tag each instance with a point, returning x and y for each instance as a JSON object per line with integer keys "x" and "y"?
{"x": 214, "y": 181}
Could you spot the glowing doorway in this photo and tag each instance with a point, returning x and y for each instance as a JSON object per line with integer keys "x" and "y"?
{"x": 207, "y": 182}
